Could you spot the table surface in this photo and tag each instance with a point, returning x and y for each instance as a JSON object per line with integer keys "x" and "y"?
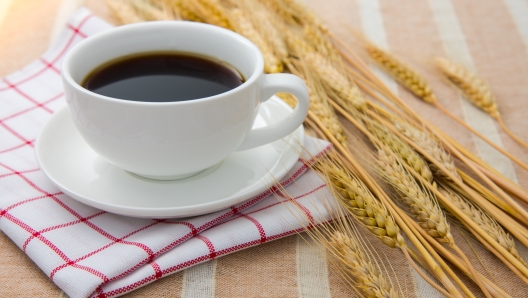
{"x": 490, "y": 36}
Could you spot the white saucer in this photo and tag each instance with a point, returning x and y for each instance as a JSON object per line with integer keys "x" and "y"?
{"x": 80, "y": 173}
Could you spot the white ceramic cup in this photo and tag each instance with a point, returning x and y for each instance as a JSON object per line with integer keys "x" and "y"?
{"x": 173, "y": 140}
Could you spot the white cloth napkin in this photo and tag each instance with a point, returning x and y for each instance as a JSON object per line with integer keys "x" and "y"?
{"x": 89, "y": 252}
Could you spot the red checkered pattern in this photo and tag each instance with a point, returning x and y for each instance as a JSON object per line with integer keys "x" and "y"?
{"x": 89, "y": 252}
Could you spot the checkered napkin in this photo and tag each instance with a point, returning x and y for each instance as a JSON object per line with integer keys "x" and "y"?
{"x": 92, "y": 253}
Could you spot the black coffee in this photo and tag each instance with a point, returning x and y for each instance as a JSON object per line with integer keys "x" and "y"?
{"x": 162, "y": 77}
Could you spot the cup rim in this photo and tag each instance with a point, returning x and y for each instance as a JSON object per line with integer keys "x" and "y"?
{"x": 66, "y": 75}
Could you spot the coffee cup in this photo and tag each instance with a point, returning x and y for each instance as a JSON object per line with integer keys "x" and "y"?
{"x": 174, "y": 140}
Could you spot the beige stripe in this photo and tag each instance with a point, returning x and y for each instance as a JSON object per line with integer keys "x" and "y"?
{"x": 519, "y": 11}
{"x": 266, "y": 270}
{"x": 66, "y": 9}
{"x": 312, "y": 271}
{"x": 199, "y": 281}
{"x": 456, "y": 48}
{"x": 63, "y": 295}
{"x": 4, "y": 8}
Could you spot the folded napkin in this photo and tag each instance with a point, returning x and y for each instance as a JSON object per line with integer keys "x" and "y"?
{"x": 92, "y": 253}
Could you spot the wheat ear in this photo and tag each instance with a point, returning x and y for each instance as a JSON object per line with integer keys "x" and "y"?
{"x": 369, "y": 279}
{"x": 484, "y": 221}
{"x": 402, "y": 73}
{"x": 243, "y": 25}
{"x": 182, "y": 10}
{"x": 124, "y": 12}
{"x": 362, "y": 204}
{"x": 429, "y": 144}
{"x": 318, "y": 101}
{"x": 211, "y": 11}
{"x": 475, "y": 89}
{"x": 347, "y": 91}
{"x": 332, "y": 77}
{"x": 421, "y": 204}
{"x": 411, "y": 157}
{"x": 269, "y": 26}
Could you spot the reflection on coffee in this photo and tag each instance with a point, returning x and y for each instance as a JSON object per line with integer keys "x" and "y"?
{"x": 162, "y": 77}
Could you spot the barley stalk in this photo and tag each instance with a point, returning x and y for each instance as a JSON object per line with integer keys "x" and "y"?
{"x": 476, "y": 90}
{"x": 484, "y": 221}
{"x": 411, "y": 157}
{"x": 428, "y": 143}
{"x": 425, "y": 208}
{"x": 402, "y": 73}
{"x": 369, "y": 279}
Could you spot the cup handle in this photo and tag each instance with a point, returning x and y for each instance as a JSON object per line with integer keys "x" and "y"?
{"x": 272, "y": 84}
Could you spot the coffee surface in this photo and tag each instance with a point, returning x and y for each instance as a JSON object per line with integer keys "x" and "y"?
{"x": 162, "y": 77}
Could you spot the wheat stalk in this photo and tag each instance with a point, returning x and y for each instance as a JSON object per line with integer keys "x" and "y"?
{"x": 243, "y": 25}
{"x": 268, "y": 25}
{"x": 124, "y": 12}
{"x": 339, "y": 83}
{"x": 323, "y": 45}
{"x": 476, "y": 90}
{"x": 211, "y": 11}
{"x": 421, "y": 204}
{"x": 318, "y": 101}
{"x": 332, "y": 77}
{"x": 180, "y": 9}
{"x": 428, "y": 143}
{"x": 402, "y": 73}
{"x": 401, "y": 148}
{"x": 362, "y": 204}
{"x": 369, "y": 279}
{"x": 295, "y": 13}
{"x": 484, "y": 221}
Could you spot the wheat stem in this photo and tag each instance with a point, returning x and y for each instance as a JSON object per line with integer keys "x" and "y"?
{"x": 510, "y": 133}
{"x": 491, "y": 143}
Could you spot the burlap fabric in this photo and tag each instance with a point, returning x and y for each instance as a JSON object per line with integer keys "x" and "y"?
{"x": 490, "y": 36}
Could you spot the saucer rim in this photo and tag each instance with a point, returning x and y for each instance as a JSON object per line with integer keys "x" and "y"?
{"x": 188, "y": 210}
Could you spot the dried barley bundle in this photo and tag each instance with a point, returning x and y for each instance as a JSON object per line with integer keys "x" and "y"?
{"x": 402, "y": 73}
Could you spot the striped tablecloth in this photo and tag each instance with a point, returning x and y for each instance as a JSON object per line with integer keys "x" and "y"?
{"x": 490, "y": 36}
